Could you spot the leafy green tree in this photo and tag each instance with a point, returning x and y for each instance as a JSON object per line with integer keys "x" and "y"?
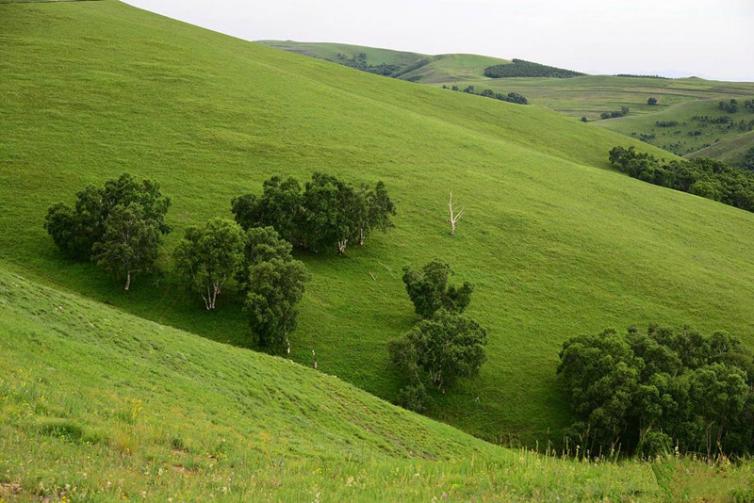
{"x": 748, "y": 160}
{"x": 274, "y": 288}
{"x": 645, "y": 392}
{"x": 76, "y": 230}
{"x": 278, "y": 207}
{"x": 374, "y": 211}
{"x": 130, "y": 243}
{"x": 332, "y": 209}
{"x": 439, "y": 350}
{"x": 652, "y": 101}
{"x": 428, "y": 289}
{"x": 208, "y": 257}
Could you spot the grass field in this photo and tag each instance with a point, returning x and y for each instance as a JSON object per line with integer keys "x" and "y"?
{"x": 556, "y": 244}
{"x": 100, "y": 405}
{"x": 587, "y": 96}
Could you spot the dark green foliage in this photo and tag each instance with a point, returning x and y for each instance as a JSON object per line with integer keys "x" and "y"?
{"x": 428, "y": 289}
{"x": 329, "y": 212}
{"x": 210, "y": 256}
{"x": 615, "y": 113}
{"x": 749, "y": 105}
{"x": 264, "y": 244}
{"x": 274, "y": 288}
{"x": 652, "y": 101}
{"x": 278, "y": 207}
{"x": 489, "y": 93}
{"x": 522, "y": 68}
{"x": 648, "y": 393}
{"x": 703, "y": 177}
{"x": 360, "y": 63}
{"x": 469, "y": 89}
{"x": 584, "y": 119}
{"x": 748, "y": 160}
{"x": 666, "y": 123}
{"x": 730, "y": 106}
{"x": 436, "y": 352}
{"x": 75, "y": 231}
{"x": 129, "y": 244}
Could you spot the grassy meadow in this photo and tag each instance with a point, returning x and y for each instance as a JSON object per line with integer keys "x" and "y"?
{"x": 556, "y": 243}
{"x": 100, "y": 405}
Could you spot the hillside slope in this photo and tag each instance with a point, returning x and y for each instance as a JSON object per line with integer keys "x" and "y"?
{"x": 411, "y": 66}
{"x": 99, "y": 405}
{"x": 556, "y": 244}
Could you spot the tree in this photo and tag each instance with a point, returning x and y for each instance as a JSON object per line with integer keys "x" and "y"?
{"x": 454, "y": 217}
{"x": 429, "y": 289}
{"x": 75, "y": 231}
{"x": 278, "y": 207}
{"x": 274, "y": 289}
{"x": 130, "y": 243}
{"x": 748, "y": 160}
{"x": 332, "y": 209}
{"x": 441, "y": 349}
{"x": 584, "y": 119}
{"x": 375, "y": 211}
{"x": 652, "y": 101}
{"x": 644, "y": 392}
{"x": 208, "y": 257}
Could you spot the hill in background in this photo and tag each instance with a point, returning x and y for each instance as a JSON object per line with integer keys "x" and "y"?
{"x": 679, "y": 100}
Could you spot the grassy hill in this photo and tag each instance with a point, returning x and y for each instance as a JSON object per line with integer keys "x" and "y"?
{"x": 100, "y": 405}
{"x": 556, "y": 244}
{"x": 679, "y": 100}
{"x": 584, "y": 96}
{"x": 414, "y": 67}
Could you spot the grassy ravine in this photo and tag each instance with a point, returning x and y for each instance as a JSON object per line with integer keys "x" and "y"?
{"x": 100, "y": 405}
{"x": 587, "y": 96}
{"x": 556, "y": 243}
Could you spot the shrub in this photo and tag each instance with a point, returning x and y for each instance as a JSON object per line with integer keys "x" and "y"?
{"x": 522, "y": 68}
{"x": 429, "y": 291}
{"x": 652, "y": 101}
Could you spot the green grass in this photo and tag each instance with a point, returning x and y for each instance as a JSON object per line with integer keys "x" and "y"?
{"x": 100, "y": 405}
{"x": 556, "y": 244}
{"x": 430, "y": 69}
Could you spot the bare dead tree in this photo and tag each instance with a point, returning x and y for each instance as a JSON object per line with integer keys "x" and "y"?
{"x": 454, "y": 217}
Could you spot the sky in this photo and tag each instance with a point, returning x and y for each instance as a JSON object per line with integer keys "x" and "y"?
{"x": 674, "y": 38}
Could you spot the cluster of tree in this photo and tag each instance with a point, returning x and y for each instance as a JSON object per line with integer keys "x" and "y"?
{"x": 706, "y": 119}
{"x": 704, "y": 177}
{"x": 522, "y": 68}
{"x": 666, "y": 123}
{"x": 511, "y": 97}
{"x": 730, "y": 106}
{"x": 725, "y": 122}
{"x": 655, "y": 392}
{"x": 652, "y": 101}
{"x": 118, "y": 226}
{"x": 259, "y": 262}
{"x": 615, "y": 113}
{"x": 749, "y": 105}
{"x": 327, "y": 213}
{"x": 444, "y": 345}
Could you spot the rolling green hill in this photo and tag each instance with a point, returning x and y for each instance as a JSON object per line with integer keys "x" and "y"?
{"x": 411, "y": 66}
{"x": 584, "y": 96}
{"x": 99, "y": 405}
{"x": 556, "y": 243}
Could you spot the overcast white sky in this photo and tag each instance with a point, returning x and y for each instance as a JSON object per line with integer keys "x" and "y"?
{"x": 707, "y": 38}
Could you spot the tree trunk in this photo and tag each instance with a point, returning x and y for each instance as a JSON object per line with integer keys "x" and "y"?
{"x": 362, "y": 237}
{"x": 342, "y": 244}
{"x": 128, "y": 281}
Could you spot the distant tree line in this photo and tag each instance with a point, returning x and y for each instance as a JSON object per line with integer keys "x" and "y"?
{"x": 666, "y": 123}
{"x": 511, "y": 97}
{"x": 359, "y": 61}
{"x": 658, "y": 392}
{"x": 703, "y": 177}
{"x": 730, "y": 106}
{"x": 615, "y": 113}
{"x": 634, "y": 76}
{"x": 523, "y": 68}
{"x": 444, "y": 345}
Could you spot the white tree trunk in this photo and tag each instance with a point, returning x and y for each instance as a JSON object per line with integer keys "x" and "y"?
{"x": 128, "y": 281}
{"x": 342, "y": 244}
{"x": 453, "y": 217}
